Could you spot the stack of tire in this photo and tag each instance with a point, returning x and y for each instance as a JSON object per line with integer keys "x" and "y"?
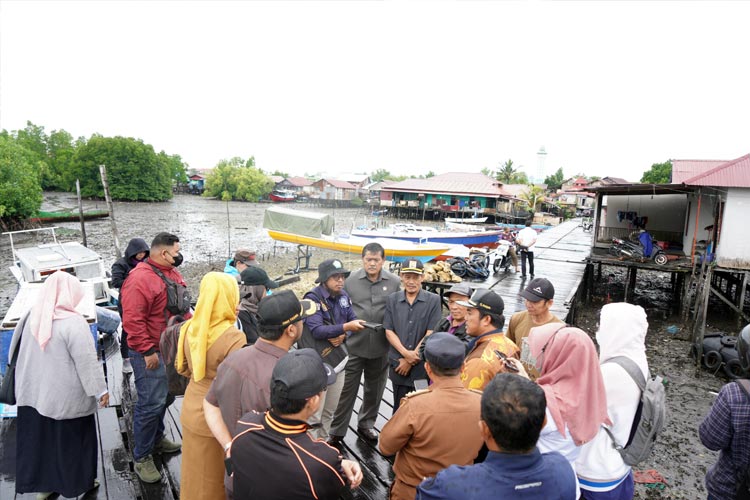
{"x": 720, "y": 352}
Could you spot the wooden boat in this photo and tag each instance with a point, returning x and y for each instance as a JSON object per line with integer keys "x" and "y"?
{"x": 316, "y": 230}
{"x": 282, "y": 196}
{"x": 68, "y": 216}
{"x": 426, "y": 234}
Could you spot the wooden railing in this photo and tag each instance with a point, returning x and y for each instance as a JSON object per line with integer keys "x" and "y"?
{"x": 605, "y": 234}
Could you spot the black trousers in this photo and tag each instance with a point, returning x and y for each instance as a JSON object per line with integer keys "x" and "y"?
{"x": 527, "y": 255}
{"x": 399, "y": 391}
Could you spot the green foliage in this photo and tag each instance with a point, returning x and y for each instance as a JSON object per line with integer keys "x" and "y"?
{"x": 554, "y": 181}
{"x": 532, "y": 196}
{"x": 380, "y": 174}
{"x": 660, "y": 173}
{"x": 488, "y": 172}
{"x": 429, "y": 174}
{"x": 519, "y": 178}
{"x": 279, "y": 173}
{"x": 20, "y": 187}
{"x": 51, "y": 154}
{"x": 175, "y": 166}
{"x": 235, "y": 180}
{"x": 357, "y": 202}
{"x": 135, "y": 172}
{"x": 506, "y": 172}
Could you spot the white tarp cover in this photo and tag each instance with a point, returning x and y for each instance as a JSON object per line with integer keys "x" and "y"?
{"x": 287, "y": 220}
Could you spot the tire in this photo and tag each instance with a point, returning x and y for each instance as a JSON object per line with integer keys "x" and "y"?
{"x": 661, "y": 258}
{"x": 458, "y": 266}
{"x": 614, "y": 251}
{"x": 712, "y": 360}
{"x": 733, "y": 369}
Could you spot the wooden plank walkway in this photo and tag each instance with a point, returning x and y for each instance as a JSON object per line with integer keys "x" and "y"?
{"x": 560, "y": 256}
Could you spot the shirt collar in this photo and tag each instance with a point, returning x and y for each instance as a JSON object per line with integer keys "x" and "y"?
{"x": 513, "y": 461}
{"x": 420, "y": 295}
{"x": 284, "y": 425}
{"x": 483, "y": 338}
{"x": 268, "y": 348}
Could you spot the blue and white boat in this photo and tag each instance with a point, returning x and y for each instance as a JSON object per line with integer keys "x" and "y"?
{"x": 427, "y": 234}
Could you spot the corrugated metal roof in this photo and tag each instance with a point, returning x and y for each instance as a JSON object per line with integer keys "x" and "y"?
{"x": 686, "y": 169}
{"x": 299, "y": 181}
{"x": 340, "y": 184}
{"x": 735, "y": 173}
{"x": 463, "y": 183}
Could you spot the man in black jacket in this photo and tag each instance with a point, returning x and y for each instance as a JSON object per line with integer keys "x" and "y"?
{"x": 136, "y": 251}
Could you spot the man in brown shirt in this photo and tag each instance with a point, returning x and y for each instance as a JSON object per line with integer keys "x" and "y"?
{"x": 243, "y": 379}
{"x": 538, "y": 297}
{"x": 435, "y": 427}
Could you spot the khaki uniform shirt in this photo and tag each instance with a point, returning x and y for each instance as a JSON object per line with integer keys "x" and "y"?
{"x": 482, "y": 364}
{"x": 433, "y": 428}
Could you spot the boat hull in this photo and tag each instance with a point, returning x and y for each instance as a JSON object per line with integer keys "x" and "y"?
{"x": 485, "y": 239}
{"x": 281, "y": 199}
{"x": 68, "y": 216}
{"x": 396, "y": 251}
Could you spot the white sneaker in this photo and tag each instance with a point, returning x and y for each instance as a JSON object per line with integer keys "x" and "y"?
{"x": 126, "y": 366}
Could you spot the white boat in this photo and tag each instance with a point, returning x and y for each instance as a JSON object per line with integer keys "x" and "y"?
{"x": 33, "y": 263}
{"x": 467, "y": 220}
{"x": 411, "y": 232}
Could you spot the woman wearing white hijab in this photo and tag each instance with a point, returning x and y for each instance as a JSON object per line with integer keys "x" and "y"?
{"x": 602, "y": 473}
{"x": 58, "y": 384}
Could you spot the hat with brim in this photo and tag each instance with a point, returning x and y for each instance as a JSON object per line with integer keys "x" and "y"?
{"x": 330, "y": 267}
{"x": 247, "y": 257}
{"x": 485, "y": 300}
{"x": 301, "y": 374}
{"x": 538, "y": 289}
{"x": 460, "y": 289}
{"x": 284, "y": 308}
{"x": 254, "y": 275}
{"x": 413, "y": 266}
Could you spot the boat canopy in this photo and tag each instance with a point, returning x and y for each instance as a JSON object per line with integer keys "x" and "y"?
{"x": 287, "y": 220}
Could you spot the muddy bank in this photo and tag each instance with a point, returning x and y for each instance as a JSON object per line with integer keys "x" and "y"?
{"x": 679, "y": 455}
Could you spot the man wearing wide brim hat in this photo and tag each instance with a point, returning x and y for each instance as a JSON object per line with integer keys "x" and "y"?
{"x": 410, "y": 315}
{"x": 273, "y": 456}
{"x": 490, "y": 351}
{"x": 327, "y": 331}
{"x": 243, "y": 379}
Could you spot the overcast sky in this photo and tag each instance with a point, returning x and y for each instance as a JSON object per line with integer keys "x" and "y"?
{"x": 607, "y": 88}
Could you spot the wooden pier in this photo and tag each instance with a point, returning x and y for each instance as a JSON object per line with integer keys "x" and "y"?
{"x": 560, "y": 256}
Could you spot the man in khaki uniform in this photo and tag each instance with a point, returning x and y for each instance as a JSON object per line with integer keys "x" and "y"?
{"x": 435, "y": 427}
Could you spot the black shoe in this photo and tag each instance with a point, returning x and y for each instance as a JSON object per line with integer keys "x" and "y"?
{"x": 336, "y": 441}
{"x": 367, "y": 434}
{"x": 532, "y": 275}
{"x": 523, "y": 276}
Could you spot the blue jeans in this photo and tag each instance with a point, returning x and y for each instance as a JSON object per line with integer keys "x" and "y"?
{"x": 152, "y": 403}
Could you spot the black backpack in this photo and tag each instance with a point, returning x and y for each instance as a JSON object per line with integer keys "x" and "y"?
{"x": 743, "y": 481}
{"x": 178, "y": 296}
{"x": 170, "y": 337}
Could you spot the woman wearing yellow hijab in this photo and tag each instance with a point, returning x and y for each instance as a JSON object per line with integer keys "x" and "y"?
{"x": 205, "y": 340}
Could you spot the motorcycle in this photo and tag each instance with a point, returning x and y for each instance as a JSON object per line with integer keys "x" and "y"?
{"x": 634, "y": 250}
{"x": 501, "y": 257}
{"x": 587, "y": 224}
{"x": 473, "y": 267}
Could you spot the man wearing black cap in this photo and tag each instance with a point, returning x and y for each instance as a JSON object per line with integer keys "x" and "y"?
{"x": 273, "y": 456}
{"x": 538, "y": 296}
{"x": 254, "y": 285}
{"x": 243, "y": 379}
{"x": 489, "y": 349}
{"x": 327, "y": 331}
{"x": 410, "y": 315}
{"x": 435, "y": 427}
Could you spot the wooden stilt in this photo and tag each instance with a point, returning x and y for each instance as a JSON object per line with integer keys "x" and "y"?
{"x": 741, "y": 299}
{"x": 701, "y": 314}
{"x": 110, "y": 207}
{"x": 80, "y": 212}
{"x": 599, "y": 272}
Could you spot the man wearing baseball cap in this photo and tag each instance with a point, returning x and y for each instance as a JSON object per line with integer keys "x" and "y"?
{"x": 243, "y": 258}
{"x": 410, "y": 315}
{"x": 538, "y": 298}
{"x": 243, "y": 379}
{"x": 273, "y": 456}
{"x": 254, "y": 285}
{"x": 489, "y": 348}
{"x": 435, "y": 427}
{"x": 327, "y": 331}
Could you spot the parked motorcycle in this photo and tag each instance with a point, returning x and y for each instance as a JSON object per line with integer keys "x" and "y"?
{"x": 634, "y": 250}
{"x": 587, "y": 224}
{"x": 500, "y": 257}
{"x": 476, "y": 266}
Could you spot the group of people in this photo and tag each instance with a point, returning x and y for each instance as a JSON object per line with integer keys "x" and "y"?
{"x": 478, "y": 410}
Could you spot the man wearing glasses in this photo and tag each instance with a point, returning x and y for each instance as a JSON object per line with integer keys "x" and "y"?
{"x": 328, "y": 329}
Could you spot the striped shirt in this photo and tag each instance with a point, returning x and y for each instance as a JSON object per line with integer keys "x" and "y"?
{"x": 727, "y": 428}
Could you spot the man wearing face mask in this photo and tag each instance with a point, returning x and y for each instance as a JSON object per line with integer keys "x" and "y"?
{"x": 145, "y": 316}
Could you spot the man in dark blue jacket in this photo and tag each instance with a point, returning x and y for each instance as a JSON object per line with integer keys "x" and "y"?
{"x": 330, "y": 325}
{"x": 513, "y": 414}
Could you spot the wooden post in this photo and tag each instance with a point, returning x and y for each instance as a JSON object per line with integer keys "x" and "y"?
{"x": 741, "y": 299}
{"x": 695, "y": 230}
{"x": 701, "y": 314}
{"x": 110, "y": 207}
{"x": 80, "y": 212}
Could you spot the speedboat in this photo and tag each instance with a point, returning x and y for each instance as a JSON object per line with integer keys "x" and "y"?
{"x": 427, "y": 234}
{"x": 282, "y": 196}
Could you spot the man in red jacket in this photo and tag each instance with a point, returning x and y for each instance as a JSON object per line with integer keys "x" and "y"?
{"x": 144, "y": 298}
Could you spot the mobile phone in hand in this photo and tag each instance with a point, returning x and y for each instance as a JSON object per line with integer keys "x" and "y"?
{"x": 370, "y": 324}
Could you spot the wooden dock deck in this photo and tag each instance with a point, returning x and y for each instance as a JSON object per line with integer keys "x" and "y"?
{"x": 560, "y": 256}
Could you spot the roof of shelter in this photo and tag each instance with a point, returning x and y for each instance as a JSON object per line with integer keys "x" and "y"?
{"x": 339, "y": 184}
{"x": 735, "y": 173}
{"x": 462, "y": 183}
{"x": 686, "y": 169}
{"x": 299, "y": 181}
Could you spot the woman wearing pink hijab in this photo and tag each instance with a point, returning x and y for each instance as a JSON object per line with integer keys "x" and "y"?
{"x": 568, "y": 366}
{"x": 58, "y": 384}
